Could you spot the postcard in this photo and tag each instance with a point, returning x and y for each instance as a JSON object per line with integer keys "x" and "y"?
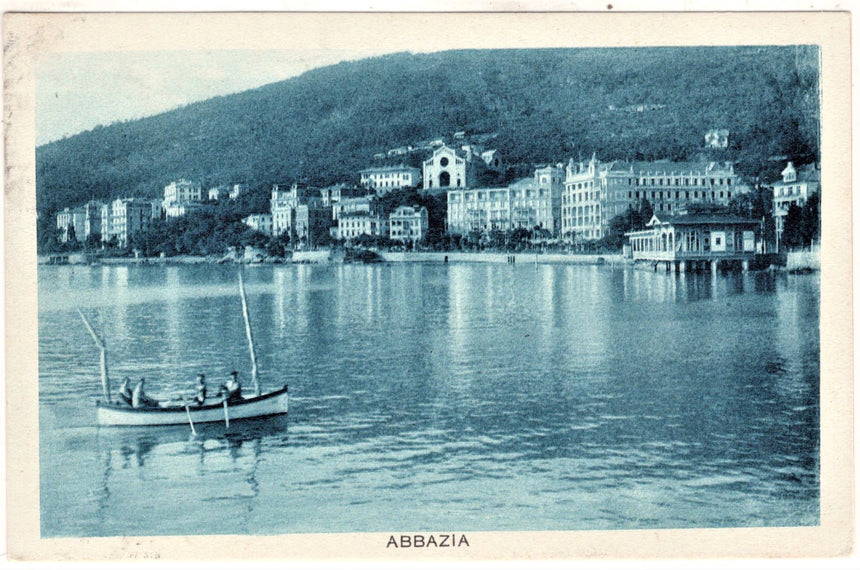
{"x": 428, "y": 286}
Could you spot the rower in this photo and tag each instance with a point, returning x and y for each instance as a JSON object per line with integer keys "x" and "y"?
{"x": 125, "y": 390}
{"x": 200, "y": 397}
{"x": 232, "y": 390}
{"x": 139, "y": 399}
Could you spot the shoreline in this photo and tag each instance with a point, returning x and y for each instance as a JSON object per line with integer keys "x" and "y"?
{"x": 327, "y": 256}
{"x": 802, "y": 261}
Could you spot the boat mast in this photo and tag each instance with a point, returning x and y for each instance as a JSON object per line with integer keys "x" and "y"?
{"x": 101, "y": 344}
{"x": 250, "y": 336}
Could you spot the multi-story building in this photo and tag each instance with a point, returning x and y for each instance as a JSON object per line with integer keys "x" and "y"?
{"x": 478, "y": 210}
{"x": 794, "y": 190}
{"x": 124, "y": 217}
{"x": 351, "y": 205}
{"x": 298, "y": 210}
{"x": 92, "y": 218}
{"x": 178, "y": 210}
{"x": 259, "y": 222}
{"x": 182, "y": 191}
{"x": 332, "y": 194}
{"x": 383, "y": 179}
{"x": 71, "y": 222}
{"x": 178, "y": 194}
{"x": 408, "y": 224}
{"x": 596, "y": 192}
{"x": 312, "y": 221}
{"x": 355, "y": 224}
{"x": 527, "y": 203}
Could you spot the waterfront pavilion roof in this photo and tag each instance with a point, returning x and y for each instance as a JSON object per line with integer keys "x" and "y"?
{"x": 699, "y": 219}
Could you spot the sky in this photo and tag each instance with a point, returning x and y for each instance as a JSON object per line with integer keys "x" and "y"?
{"x": 78, "y": 91}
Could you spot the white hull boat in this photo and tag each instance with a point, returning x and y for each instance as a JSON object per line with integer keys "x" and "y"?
{"x": 271, "y": 404}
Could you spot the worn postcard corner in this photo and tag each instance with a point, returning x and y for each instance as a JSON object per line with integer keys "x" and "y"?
{"x": 328, "y": 285}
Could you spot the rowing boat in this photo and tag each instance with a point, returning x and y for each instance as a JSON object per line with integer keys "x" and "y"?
{"x": 257, "y": 405}
{"x": 269, "y": 404}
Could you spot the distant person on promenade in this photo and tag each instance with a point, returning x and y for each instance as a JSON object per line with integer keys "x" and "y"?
{"x": 139, "y": 399}
{"x": 200, "y": 396}
{"x": 232, "y": 390}
{"x": 125, "y": 390}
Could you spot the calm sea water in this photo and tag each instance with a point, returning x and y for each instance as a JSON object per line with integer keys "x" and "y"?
{"x": 437, "y": 398}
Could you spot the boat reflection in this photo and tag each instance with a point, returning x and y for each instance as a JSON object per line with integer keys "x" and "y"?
{"x": 215, "y": 453}
{"x": 134, "y": 445}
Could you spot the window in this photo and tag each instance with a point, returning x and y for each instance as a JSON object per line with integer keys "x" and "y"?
{"x": 443, "y": 161}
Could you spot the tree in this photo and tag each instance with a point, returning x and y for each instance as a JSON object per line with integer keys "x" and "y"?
{"x": 646, "y": 212}
{"x": 629, "y": 221}
{"x": 93, "y": 241}
{"x": 278, "y": 245}
{"x": 811, "y": 220}
{"x": 792, "y": 230}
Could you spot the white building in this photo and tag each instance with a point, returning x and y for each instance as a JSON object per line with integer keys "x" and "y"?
{"x": 460, "y": 168}
{"x": 408, "y": 224}
{"x": 237, "y": 190}
{"x": 92, "y": 218}
{"x": 355, "y": 224}
{"x": 178, "y": 210}
{"x": 350, "y": 206}
{"x": 182, "y": 191}
{"x": 383, "y": 179}
{"x": 527, "y": 203}
{"x": 178, "y": 194}
{"x": 259, "y": 222}
{"x": 71, "y": 222}
{"x": 332, "y": 194}
{"x": 478, "y": 209}
{"x": 124, "y": 217}
{"x": 596, "y": 192}
{"x": 448, "y": 168}
{"x": 794, "y": 190}
{"x": 298, "y": 210}
{"x": 217, "y": 192}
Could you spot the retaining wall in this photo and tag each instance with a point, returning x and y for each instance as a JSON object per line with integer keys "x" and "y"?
{"x": 803, "y": 260}
{"x": 459, "y": 256}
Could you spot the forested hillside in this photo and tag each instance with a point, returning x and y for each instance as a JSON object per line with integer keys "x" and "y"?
{"x": 544, "y": 105}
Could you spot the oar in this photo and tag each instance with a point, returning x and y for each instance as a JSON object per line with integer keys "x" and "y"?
{"x": 226, "y": 415}
{"x": 187, "y": 411}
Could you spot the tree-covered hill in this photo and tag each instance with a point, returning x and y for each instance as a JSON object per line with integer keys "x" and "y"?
{"x": 544, "y": 106}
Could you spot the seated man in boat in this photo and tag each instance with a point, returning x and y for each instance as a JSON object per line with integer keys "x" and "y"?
{"x": 200, "y": 397}
{"x": 125, "y": 390}
{"x": 139, "y": 399}
{"x": 232, "y": 390}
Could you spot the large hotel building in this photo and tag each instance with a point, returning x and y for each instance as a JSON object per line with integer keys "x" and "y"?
{"x": 595, "y": 192}
{"x": 526, "y": 203}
